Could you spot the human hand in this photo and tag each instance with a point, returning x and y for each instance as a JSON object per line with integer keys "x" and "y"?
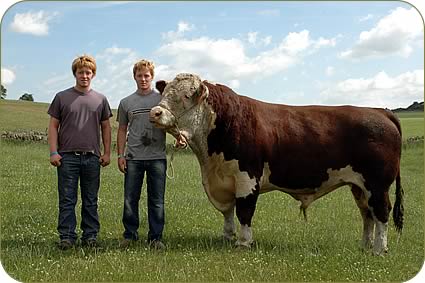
{"x": 122, "y": 164}
{"x": 55, "y": 160}
{"x": 105, "y": 160}
{"x": 181, "y": 142}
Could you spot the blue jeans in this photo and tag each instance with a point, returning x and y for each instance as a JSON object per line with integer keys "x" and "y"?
{"x": 155, "y": 173}
{"x": 85, "y": 168}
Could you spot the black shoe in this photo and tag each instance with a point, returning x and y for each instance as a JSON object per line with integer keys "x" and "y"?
{"x": 65, "y": 245}
{"x": 89, "y": 243}
{"x": 157, "y": 245}
{"x": 126, "y": 243}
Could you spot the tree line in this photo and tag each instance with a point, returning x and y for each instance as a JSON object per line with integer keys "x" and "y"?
{"x": 25, "y": 96}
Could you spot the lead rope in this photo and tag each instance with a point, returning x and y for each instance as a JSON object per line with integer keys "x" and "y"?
{"x": 175, "y": 149}
{"x": 171, "y": 166}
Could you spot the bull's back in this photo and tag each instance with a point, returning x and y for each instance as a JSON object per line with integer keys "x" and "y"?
{"x": 316, "y": 139}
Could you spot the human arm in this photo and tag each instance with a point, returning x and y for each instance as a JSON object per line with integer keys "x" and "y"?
{"x": 105, "y": 159}
{"x": 121, "y": 140}
{"x": 52, "y": 139}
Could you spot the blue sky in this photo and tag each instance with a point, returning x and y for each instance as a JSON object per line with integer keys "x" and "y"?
{"x": 300, "y": 53}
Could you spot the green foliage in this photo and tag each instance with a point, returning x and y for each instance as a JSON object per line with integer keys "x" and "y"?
{"x": 3, "y": 92}
{"x": 27, "y": 97}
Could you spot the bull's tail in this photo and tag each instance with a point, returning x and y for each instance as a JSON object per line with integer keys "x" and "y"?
{"x": 398, "y": 212}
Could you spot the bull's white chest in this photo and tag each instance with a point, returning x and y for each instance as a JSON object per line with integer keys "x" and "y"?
{"x": 223, "y": 182}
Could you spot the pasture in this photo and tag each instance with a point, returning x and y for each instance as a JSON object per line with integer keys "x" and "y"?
{"x": 286, "y": 248}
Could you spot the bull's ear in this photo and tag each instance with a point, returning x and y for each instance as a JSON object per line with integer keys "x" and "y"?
{"x": 160, "y": 85}
{"x": 202, "y": 93}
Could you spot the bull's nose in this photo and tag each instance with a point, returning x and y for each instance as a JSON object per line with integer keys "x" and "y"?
{"x": 155, "y": 113}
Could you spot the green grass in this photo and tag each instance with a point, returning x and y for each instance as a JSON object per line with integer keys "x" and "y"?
{"x": 286, "y": 249}
{"x": 325, "y": 248}
{"x": 412, "y": 123}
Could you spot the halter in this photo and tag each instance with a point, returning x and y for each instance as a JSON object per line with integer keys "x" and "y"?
{"x": 177, "y": 118}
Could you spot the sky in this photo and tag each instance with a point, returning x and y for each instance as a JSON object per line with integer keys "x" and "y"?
{"x": 296, "y": 53}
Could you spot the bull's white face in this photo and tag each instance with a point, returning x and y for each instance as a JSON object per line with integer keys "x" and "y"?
{"x": 179, "y": 112}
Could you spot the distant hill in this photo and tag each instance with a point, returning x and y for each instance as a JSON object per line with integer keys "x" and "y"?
{"x": 416, "y": 106}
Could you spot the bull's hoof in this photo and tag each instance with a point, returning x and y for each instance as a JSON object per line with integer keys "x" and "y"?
{"x": 242, "y": 248}
{"x": 380, "y": 252}
{"x": 246, "y": 245}
{"x": 229, "y": 237}
{"x": 366, "y": 246}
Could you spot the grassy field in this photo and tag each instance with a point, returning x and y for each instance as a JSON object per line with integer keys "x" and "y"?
{"x": 412, "y": 124}
{"x": 325, "y": 248}
{"x": 25, "y": 115}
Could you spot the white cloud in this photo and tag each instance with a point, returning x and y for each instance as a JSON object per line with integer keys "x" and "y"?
{"x": 378, "y": 91}
{"x": 115, "y": 73}
{"x": 323, "y": 42}
{"x": 58, "y": 81}
{"x": 235, "y": 84}
{"x": 226, "y": 61}
{"x": 35, "y": 23}
{"x": 254, "y": 39}
{"x": 7, "y": 76}
{"x": 393, "y": 35}
{"x": 295, "y": 42}
{"x": 266, "y": 40}
{"x": 182, "y": 27}
{"x": 366, "y": 18}
{"x": 330, "y": 71}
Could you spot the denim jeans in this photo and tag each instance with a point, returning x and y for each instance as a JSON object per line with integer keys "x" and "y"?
{"x": 155, "y": 173}
{"x": 85, "y": 168}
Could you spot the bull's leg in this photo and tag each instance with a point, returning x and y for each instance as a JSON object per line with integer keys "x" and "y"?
{"x": 229, "y": 228}
{"x": 381, "y": 207}
{"x": 380, "y": 243}
{"x": 245, "y": 208}
{"x": 368, "y": 222}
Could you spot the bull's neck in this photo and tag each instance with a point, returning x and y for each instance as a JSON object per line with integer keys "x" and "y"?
{"x": 219, "y": 110}
{"x": 198, "y": 141}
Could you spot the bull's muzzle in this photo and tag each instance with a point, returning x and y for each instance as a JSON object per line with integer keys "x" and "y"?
{"x": 161, "y": 117}
{"x": 155, "y": 113}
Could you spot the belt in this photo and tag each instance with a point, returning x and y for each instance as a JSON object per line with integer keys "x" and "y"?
{"x": 83, "y": 152}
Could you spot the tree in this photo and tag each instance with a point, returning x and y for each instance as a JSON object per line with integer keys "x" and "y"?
{"x": 3, "y": 92}
{"x": 27, "y": 97}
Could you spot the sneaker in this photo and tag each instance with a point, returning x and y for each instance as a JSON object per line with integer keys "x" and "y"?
{"x": 65, "y": 245}
{"x": 157, "y": 245}
{"x": 126, "y": 243}
{"x": 89, "y": 243}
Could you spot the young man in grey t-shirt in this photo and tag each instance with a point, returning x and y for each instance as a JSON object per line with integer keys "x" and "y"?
{"x": 141, "y": 148}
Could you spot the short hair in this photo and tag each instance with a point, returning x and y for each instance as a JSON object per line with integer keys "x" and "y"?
{"x": 84, "y": 61}
{"x": 144, "y": 64}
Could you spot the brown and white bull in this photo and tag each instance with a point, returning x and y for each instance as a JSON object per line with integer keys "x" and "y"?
{"x": 247, "y": 147}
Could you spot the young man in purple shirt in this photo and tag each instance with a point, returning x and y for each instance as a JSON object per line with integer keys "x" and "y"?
{"x": 77, "y": 116}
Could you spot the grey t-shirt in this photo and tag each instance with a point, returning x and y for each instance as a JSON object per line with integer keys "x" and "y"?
{"x": 144, "y": 140}
{"x": 79, "y": 115}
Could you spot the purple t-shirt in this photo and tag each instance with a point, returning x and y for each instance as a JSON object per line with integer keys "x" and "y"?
{"x": 79, "y": 115}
